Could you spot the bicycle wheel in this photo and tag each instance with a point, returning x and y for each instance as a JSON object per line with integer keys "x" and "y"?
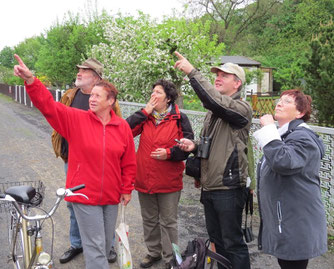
{"x": 15, "y": 240}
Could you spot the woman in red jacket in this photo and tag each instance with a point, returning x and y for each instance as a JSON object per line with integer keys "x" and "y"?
{"x": 160, "y": 168}
{"x": 101, "y": 156}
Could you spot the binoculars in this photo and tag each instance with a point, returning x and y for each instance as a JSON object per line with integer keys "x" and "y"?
{"x": 204, "y": 147}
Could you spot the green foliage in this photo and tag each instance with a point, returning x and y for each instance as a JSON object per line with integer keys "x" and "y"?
{"x": 64, "y": 47}
{"x": 6, "y": 57}
{"x": 256, "y": 75}
{"x": 281, "y": 40}
{"x": 29, "y": 50}
{"x": 7, "y": 77}
{"x": 191, "y": 102}
{"x": 4, "y": 73}
{"x": 6, "y": 67}
{"x": 231, "y": 20}
{"x": 6, "y": 64}
{"x": 138, "y": 51}
{"x": 13, "y": 80}
{"x": 319, "y": 73}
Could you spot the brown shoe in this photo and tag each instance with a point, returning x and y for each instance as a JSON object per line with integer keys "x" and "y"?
{"x": 148, "y": 261}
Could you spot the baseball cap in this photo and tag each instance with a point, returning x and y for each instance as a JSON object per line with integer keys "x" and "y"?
{"x": 93, "y": 64}
{"x": 231, "y": 68}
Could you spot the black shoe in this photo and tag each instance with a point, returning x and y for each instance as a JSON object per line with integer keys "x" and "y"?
{"x": 70, "y": 254}
{"x": 148, "y": 261}
{"x": 112, "y": 256}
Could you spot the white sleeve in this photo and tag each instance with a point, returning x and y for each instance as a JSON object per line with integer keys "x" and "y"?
{"x": 266, "y": 134}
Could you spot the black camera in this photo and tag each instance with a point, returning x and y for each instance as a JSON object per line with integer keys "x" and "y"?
{"x": 204, "y": 147}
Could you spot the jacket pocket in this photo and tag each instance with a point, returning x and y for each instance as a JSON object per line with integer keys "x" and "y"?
{"x": 76, "y": 179}
{"x": 231, "y": 175}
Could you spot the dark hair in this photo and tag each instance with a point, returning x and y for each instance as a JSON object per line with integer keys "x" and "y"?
{"x": 302, "y": 101}
{"x": 108, "y": 87}
{"x": 169, "y": 88}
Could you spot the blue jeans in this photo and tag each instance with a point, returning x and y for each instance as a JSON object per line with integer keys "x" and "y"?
{"x": 223, "y": 217}
{"x": 75, "y": 238}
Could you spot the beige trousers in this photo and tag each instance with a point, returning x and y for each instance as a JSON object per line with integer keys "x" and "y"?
{"x": 159, "y": 213}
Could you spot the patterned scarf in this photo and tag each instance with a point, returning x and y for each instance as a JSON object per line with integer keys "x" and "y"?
{"x": 160, "y": 116}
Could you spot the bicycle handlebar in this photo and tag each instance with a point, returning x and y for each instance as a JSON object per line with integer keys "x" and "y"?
{"x": 61, "y": 194}
{"x": 76, "y": 188}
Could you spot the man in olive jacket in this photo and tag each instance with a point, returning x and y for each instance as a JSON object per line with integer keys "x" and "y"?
{"x": 224, "y": 171}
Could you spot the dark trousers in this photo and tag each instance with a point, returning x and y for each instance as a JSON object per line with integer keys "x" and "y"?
{"x": 223, "y": 216}
{"x": 284, "y": 264}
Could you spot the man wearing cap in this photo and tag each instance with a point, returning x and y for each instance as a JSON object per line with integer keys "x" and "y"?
{"x": 224, "y": 170}
{"x": 89, "y": 73}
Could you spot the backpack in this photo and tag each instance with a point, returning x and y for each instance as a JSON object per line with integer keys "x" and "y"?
{"x": 195, "y": 256}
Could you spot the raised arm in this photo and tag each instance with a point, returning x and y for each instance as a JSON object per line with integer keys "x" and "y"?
{"x": 22, "y": 71}
{"x": 55, "y": 113}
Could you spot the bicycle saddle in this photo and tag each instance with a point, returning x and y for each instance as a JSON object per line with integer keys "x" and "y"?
{"x": 22, "y": 194}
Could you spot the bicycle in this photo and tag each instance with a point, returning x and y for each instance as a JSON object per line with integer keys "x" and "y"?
{"x": 23, "y": 227}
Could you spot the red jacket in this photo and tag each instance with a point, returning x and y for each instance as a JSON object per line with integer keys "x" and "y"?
{"x": 101, "y": 157}
{"x": 160, "y": 176}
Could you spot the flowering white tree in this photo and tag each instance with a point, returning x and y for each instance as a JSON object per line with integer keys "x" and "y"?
{"x": 138, "y": 51}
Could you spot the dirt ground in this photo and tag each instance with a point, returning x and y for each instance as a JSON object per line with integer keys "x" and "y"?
{"x": 26, "y": 154}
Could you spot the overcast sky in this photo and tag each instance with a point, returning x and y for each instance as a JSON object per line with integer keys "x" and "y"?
{"x": 20, "y": 19}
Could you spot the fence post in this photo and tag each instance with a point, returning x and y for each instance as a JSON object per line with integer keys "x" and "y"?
{"x": 20, "y": 96}
{"x": 58, "y": 92}
{"x": 16, "y": 89}
{"x": 254, "y": 102}
{"x": 25, "y": 95}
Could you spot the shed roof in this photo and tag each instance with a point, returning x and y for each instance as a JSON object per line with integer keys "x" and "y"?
{"x": 240, "y": 60}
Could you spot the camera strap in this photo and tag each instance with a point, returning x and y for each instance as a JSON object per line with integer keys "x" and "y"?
{"x": 249, "y": 207}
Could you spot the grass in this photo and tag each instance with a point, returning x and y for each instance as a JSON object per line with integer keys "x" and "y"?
{"x": 6, "y": 98}
{"x": 331, "y": 243}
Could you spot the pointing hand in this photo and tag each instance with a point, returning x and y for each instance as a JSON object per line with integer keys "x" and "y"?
{"x": 183, "y": 64}
{"x": 22, "y": 71}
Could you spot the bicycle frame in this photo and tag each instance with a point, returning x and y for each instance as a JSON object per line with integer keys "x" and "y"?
{"x": 22, "y": 221}
{"x": 21, "y": 230}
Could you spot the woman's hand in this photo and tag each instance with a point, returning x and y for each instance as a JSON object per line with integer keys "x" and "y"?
{"x": 197, "y": 183}
{"x": 266, "y": 120}
{"x": 151, "y": 105}
{"x": 159, "y": 154}
{"x": 125, "y": 198}
{"x": 23, "y": 71}
{"x": 186, "y": 145}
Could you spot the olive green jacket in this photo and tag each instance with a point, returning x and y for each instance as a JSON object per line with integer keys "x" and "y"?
{"x": 227, "y": 123}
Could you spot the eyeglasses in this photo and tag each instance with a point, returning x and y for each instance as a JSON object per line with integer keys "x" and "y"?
{"x": 284, "y": 101}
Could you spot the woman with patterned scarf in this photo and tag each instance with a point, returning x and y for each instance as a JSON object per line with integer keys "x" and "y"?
{"x": 160, "y": 169}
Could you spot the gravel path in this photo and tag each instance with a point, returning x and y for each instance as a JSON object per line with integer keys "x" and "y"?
{"x": 26, "y": 154}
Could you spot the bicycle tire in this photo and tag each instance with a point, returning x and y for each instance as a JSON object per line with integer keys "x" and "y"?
{"x": 15, "y": 236}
